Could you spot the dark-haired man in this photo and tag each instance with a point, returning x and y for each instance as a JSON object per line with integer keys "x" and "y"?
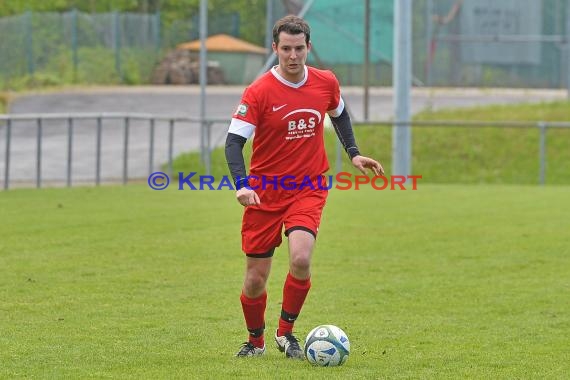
{"x": 285, "y": 108}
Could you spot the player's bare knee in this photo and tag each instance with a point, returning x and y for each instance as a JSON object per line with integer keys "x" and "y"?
{"x": 255, "y": 282}
{"x": 301, "y": 262}
{"x": 254, "y": 286}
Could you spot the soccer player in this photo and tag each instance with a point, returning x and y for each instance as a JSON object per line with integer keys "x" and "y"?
{"x": 286, "y": 188}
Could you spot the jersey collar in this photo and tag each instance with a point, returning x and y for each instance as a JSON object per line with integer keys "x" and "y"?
{"x": 286, "y": 82}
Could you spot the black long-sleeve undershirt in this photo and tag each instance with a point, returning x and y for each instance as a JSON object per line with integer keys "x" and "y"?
{"x": 343, "y": 128}
{"x": 234, "y": 158}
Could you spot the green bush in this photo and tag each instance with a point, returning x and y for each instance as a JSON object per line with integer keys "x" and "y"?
{"x": 38, "y": 80}
{"x": 96, "y": 65}
{"x": 4, "y": 99}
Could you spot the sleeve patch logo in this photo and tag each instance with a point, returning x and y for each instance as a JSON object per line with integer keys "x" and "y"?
{"x": 241, "y": 110}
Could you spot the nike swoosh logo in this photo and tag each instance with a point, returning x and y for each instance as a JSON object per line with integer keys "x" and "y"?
{"x": 278, "y": 108}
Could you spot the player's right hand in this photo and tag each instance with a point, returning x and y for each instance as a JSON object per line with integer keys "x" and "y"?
{"x": 247, "y": 197}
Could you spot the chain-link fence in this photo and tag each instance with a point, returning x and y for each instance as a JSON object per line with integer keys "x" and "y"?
{"x": 494, "y": 43}
{"x": 77, "y": 47}
{"x": 480, "y": 43}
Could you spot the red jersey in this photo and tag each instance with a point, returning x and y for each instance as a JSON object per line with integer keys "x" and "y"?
{"x": 288, "y": 122}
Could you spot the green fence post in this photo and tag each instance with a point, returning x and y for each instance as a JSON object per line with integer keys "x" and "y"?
{"x": 117, "y": 42}
{"x": 157, "y": 42}
{"x": 74, "y": 52}
{"x": 235, "y": 24}
{"x": 567, "y": 46}
{"x": 29, "y": 42}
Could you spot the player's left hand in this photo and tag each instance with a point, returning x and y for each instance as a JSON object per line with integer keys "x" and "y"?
{"x": 362, "y": 163}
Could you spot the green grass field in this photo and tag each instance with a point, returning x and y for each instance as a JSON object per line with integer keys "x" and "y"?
{"x": 449, "y": 281}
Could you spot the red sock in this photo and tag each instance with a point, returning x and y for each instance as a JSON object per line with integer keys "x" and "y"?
{"x": 254, "y": 313}
{"x": 294, "y": 294}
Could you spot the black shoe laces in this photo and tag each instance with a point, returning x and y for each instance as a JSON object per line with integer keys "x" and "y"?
{"x": 246, "y": 348}
{"x": 293, "y": 342}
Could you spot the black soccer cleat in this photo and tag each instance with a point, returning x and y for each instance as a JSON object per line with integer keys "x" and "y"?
{"x": 248, "y": 349}
{"x": 290, "y": 345}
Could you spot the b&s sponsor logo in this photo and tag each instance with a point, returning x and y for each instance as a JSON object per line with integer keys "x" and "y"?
{"x": 301, "y": 123}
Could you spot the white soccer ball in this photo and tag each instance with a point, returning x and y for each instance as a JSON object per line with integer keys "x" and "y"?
{"x": 327, "y": 346}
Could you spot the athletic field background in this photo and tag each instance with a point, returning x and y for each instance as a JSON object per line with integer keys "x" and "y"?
{"x": 448, "y": 281}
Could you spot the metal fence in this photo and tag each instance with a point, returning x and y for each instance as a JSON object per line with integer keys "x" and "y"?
{"x": 541, "y": 126}
{"x": 74, "y": 145}
{"x": 134, "y": 145}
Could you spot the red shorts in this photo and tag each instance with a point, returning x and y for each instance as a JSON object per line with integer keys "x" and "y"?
{"x": 295, "y": 209}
